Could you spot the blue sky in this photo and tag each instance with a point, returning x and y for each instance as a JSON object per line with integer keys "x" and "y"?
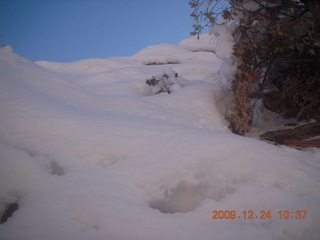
{"x": 69, "y": 30}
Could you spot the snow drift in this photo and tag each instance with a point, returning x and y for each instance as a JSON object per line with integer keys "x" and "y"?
{"x": 88, "y": 153}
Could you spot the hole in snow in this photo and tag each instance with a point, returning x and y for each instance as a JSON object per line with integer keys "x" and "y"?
{"x": 9, "y": 210}
{"x": 56, "y": 169}
{"x": 183, "y": 198}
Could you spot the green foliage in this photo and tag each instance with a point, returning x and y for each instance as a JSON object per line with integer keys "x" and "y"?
{"x": 152, "y": 81}
{"x": 162, "y": 83}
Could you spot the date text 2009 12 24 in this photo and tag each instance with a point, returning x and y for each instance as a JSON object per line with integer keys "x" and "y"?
{"x": 263, "y": 214}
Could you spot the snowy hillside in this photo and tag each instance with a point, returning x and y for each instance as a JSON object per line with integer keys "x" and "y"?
{"x": 89, "y": 151}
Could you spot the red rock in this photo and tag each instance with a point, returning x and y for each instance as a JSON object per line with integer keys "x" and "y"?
{"x": 301, "y": 136}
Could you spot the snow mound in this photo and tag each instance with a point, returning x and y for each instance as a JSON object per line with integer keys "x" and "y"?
{"x": 87, "y": 66}
{"x": 7, "y": 49}
{"x": 169, "y": 54}
{"x": 91, "y": 156}
{"x": 205, "y": 43}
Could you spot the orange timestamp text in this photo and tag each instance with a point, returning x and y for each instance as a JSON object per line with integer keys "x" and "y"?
{"x": 263, "y": 214}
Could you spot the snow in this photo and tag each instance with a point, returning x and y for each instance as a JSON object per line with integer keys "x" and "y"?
{"x": 89, "y": 151}
{"x": 167, "y": 53}
{"x": 204, "y": 43}
{"x": 225, "y": 40}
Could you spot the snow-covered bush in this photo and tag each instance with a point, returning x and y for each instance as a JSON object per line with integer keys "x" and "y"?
{"x": 277, "y": 53}
{"x": 165, "y": 82}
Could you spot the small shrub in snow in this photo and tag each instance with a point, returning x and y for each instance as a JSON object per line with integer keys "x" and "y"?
{"x": 166, "y": 82}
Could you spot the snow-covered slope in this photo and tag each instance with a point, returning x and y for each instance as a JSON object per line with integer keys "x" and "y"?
{"x": 87, "y": 152}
